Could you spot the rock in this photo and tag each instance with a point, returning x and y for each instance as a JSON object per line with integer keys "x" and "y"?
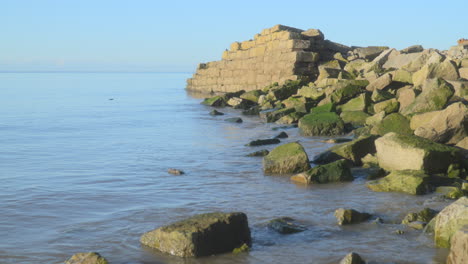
{"x": 350, "y": 216}
{"x": 463, "y": 73}
{"x": 299, "y": 103}
{"x": 287, "y": 158}
{"x": 412, "y": 49}
{"x": 445, "y": 70}
{"x": 392, "y": 123}
{"x": 380, "y": 83}
{"x": 175, "y": 171}
{"x": 418, "y": 225}
{"x": 355, "y": 118}
{"x": 286, "y": 90}
{"x": 406, "y": 96}
{"x": 201, "y": 235}
{"x": 388, "y": 106}
{"x": 446, "y": 126}
{"x": 261, "y": 142}
{"x": 274, "y": 115}
{"x": 449, "y": 220}
{"x": 311, "y": 92}
{"x": 260, "y": 153}
{"x": 418, "y": 120}
{"x": 87, "y": 258}
{"x": 352, "y": 258}
{"x": 411, "y": 62}
{"x": 450, "y": 192}
{"x": 352, "y": 151}
{"x": 345, "y": 91}
{"x": 336, "y": 140}
{"x": 216, "y": 113}
{"x": 380, "y": 95}
{"x": 239, "y": 103}
{"x": 402, "y": 76}
{"x": 405, "y": 181}
{"x": 369, "y": 53}
{"x": 291, "y": 118}
{"x": 252, "y": 96}
{"x": 375, "y": 119}
{"x": 241, "y": 249}
{"x": 459, "y": 247}
{"x": 370, "y": 161}
{"x": 406, "y": 152}
{"x": 254, "y": 110}
{"x": 282, "y": 134}
{"x": 326, "y": 108}
{"x": 233, "y": 120}
{"x": 217, "y": 101}
{"x": 321, "y": 124}
{"x": 315, "y": 34}
{"x": 285, "y": 225}
{"x": 420, "y": 219}
{"x": 359, "y": 103}
{"x": 435, "y": 95}
{"x": 337, "y": 171}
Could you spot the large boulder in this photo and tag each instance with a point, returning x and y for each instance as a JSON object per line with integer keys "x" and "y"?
{"x": 407, "y": 181}
{"x": 406, "y": 152}
{"x": 344, "y": 91}
{"x": 355, "y": 118}
{"x": 352, "y": 151}
{"x": 419, "y": 219}
{"x": 369, "y": 53}
{"x": 274, "y": 115}
{"x": 387, "y": 106}
{"x": 87, "y": 258}
{"x": 449, "y": 221}
{"x": 352, "y": 258}
{"x": 459, "y": 247}
{"x": 299, "y": 103}
{"x": 392, "y": 123}
{"x": 218, "y": 101}
{"x": 445, "y": 70}
{"x": 287, "y": 158}
{"x": 380, "y": 83}
{"x": 446, "y": 126}
{"x": 406, "y": 96}
{"x": 435, "y": 95}
{"x": 201, "y": 235}
{"x": 321, "y": 124}
{"x": 359, "y": 103}
{"x": 350, "y": 216}
{"x": 311, "y": 92}
{"x": 252, "y": 96}
{"x": 337, "y": 171}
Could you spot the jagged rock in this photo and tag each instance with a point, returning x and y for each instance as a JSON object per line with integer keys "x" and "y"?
{"x": 352, "y": 151}
{"x": 311, "y": 92}
{"x": 252, "y": 96}
{"x": 325, "y": 108}
{"x": 407, "y": 152}
{"x": 449, "y": 220}
{"x": 359, "y": 103}
{"x": 299, "y": 103}
{"x": 260, "y": 153}
{"x": 450, "y": 192}
{"x": 239, "y": 103}
{"x": 282, "y": 134}
{"x": 201, "y": 235}
{"x": 285, "y": 225}
{"x": 274, "y": 115}
{"x": 405, "y": 181}
{"x": 86, "y": 258}
{"x": 380, "y": 95}
{"x": 459, "y": 247}
{"x": 286, "y": 90}
{"x": 234, "y": 120}
{"x": 291, "y": 118}
{"x": 412, "y": 49}
{"x": 370, "y": 161}
{"x": 352, "y": 258}
{"x": 463, "y": 73}
{"x": 406, "y": 60}
{"x": 378, "y": 63}
{"x": 175, "y": 171}
{"x": 446, "y": 126}
{"x": 369, "y": 53}
{"x": 216, "y": 113}
{"x": 388, "y": 106}
{"x": 391, "y": 123}
{"x": 321, "y": 124}
{"x": 287, "y": 158}
{"x": 420, "y": 218}
{"x": 355, "y": 118}
{"x": 402, "y": 76}
{"x": 345, "y": 91}
{"x": 254, "y": 110}
{"x": 217, "y": 101}
{"x": 337, "y": 171}
{"x": 406, "y": 96}
{"x": 463, "y": 143}
{"x": 261, "y": 142}
{"x": 375, "y": 119}
{"x": 380, "y": 83}
{"x": 350, "y": 216}
{"x": 445, "y": 70}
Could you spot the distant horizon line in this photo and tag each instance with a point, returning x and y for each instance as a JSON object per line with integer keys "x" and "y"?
{"x": 87, "y": 71}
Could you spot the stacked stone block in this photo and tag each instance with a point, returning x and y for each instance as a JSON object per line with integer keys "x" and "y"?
{"x": 276, "y": 54}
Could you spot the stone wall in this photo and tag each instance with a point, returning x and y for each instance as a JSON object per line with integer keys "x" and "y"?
{"x": 276, "y": 54}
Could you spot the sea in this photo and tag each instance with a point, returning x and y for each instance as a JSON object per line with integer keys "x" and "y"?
{"x": 83, "y": 167}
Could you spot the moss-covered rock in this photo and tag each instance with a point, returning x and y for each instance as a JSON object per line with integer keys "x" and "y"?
{"x": 407, "y": 181}
{"x": 201, "y": 235}
{"x": 299, "y": 103}
{"x": 388, "y": 106}
{"x": 261, "y": 142}
{"x": 393, "y": 123}
{"x": 375, "y": 119}
{"x": 423, "y": 217}
{"x": 312, "y": 92}
{"x": 321, "y": 124}
{"x": 287, "y": 158}
{"x": 355, "y": 118}
{"x": 450, "y": 220}
{"x": 352, "y": 258}
{"x": 435, "y": 95}
{"x": 87, "y": 258}
{"x": 325, "y": 108}
{"x": 350, "y": 216}
{"x": 352, "y": 151}
{"x": 260, "y": 153}
{"x": 286, "y": 225}
{"x": 274, "y": 115}
{"x": 234, "y": 120}
{"x": 450, "y": 192}
{"x": 381, "y": 95}
{"x": 215, "y": 112}
{"x": 345, "y": 92}
{"x": 218, "y": 101}
{"x": 446, "y": 70}
{"x": 291, "y": 118}
{"x": 337, "y": 171}
{"x": 408, "y": 152}
{"x": 403, "y": 76}
{"x": 284, "y": 91}
{"x": 459, "y": 247}
{"x": 359, "y": 103}
{"x": 252, "y": 96}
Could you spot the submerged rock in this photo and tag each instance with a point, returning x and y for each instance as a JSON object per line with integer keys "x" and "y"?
{"x": 287, "y": 158}
{"x": 321, "y": 124}
{"x": 285, "y": 225}
{"x": 352, "y": 258}
{"x": 406, "y": 181}
{"x": 337, "y": 171}
{"x": 215, "y": 112}
{"x": 260, "y": 153}
{"x": 261, "y": 142}
{"x": 218, "y": 101}
{"x": 350, "y": 216}
{"x": 175, "y": 171}
{"x": 459, "y": 247}
{"x": 234, "y": 120}
{"x": 450, "y": 192}
{"x": 201, "y": 235}
{"x": 420, "y": 219}
{"x": 282, "y": 134}
{"x": 87, "y": 258}
{"x": 449, "y": 220}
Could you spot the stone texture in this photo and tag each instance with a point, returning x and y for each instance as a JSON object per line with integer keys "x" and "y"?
{"x": 352, "y": 151}
{"x": 201, "y": 235}
{"x": 392, "y": 123}
{"x": 388, "y": 106}
{"x": 352, "y": 258}
{"x": 435, "y": 95}
{"x": 86, "y": 258}
{"x": 337, "y": 171}
{"x": 350, "y": 216}
{"x": 285, "y": 225}
{"x": 380, "y": 83}
{"x": 321, "y": 124}
{"x": 445, "y": 70}
{"x": 405, "y": 181}
{"x": 459, "y": 247}
{"x": 287, "y": 158}
{"x": 449, "y": 221}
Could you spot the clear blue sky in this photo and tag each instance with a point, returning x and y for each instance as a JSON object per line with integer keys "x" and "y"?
{"x": 144, "y": 35}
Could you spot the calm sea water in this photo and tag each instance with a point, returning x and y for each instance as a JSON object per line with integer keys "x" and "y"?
{"x": 80, "y": 172}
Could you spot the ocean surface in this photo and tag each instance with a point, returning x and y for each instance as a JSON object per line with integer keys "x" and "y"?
{"x": 83, "y": 167}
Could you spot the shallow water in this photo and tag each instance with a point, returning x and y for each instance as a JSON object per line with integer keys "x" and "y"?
{"x": 81, "y": 172}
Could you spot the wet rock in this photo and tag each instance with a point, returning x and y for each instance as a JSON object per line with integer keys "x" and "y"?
{"x": 355, "y": 118}
{"x": 215, "y": 112}
{"x": 406, "y": 181}
{"x": 353, "y": 151}
{"x": 239, "y": 103}
{"x": 350, "y": 216}
{"x": 417, "y": 225}
{"x": 459, "y": 247}
{"x": 449, "y": 220}
{"x": 435, "y": 95}
{"x": 261, "y": 142}
{"x": 217, "y": 101}
{"x": 254, "y": 110}
{"x": 285, "y": 225}
{"x": 370, "y": 161}
{"x": 419, "y": 219}
{"x": 291, "y": 118}
{"x": 352, "y": 258}
{"x": 299, "y": 103}
{"x": 87, "y": 258}
{"x": 337, "y": 171}
{"x": 201, "y": 235}
{"x": 392, "y": 123}
{"x": 274, "y": 115}
{"x": 287, "y": 158}
{"x": 282, "y": 135}
{"x": 321, "y": 124}
{"x": 234, "y": 120}
{"x": 175, "y": 171}
{"x": 260, "y": 153}
{"x": 450, "y": 192}
{"x": 242, "y": 249}
{"x": 336, "y": 140}
{"x": 405, "y": 152}
{"x": 252, "y": 96}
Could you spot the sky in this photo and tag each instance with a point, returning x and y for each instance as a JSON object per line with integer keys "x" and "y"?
{"x": 174, "y": 36}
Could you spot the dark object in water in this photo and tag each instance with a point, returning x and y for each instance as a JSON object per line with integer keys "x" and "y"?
{"x": 175, "y": 171}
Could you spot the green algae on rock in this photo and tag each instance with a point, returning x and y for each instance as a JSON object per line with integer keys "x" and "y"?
{"x": 353, "y": 151}
{"x": 406, "y": 181}
{"x": 285, "y": 225}
{"x": 392, "y": 123}
{"x": 87, "y": 258}
{"x": 337, "y": 171}
{"x": 285, "y": 159}
{"x": 321, "y": 124}
{"x": 350, "y": 216}
{"x": 450, "y": 220}
{"x": 201, "y": 235}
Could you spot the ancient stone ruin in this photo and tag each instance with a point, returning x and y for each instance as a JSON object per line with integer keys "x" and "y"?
{"x": 276, "y": 54}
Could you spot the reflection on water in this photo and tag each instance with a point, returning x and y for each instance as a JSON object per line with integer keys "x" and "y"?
{"x": 81, "y": 172}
